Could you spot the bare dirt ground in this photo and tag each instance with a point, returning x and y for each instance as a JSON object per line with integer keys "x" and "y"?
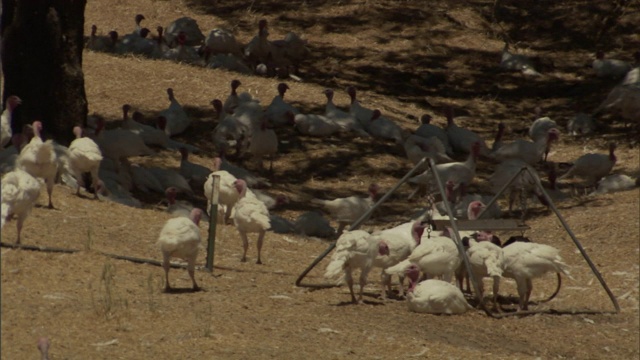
{"x": 406, "y": 58}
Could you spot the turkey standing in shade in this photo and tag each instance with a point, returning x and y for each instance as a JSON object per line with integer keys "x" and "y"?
{"x": 348, "y": 210}
{"x": 593, "y": 167}
{"x": 177, "y": 118}
{"x": 84, "y": 156}
{"x": 5, "y": 122}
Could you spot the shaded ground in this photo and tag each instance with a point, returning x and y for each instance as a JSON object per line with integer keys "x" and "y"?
{"x": 406, "y": 59}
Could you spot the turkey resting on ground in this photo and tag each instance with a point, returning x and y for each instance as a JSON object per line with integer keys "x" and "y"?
{"x": 434, "y": 296}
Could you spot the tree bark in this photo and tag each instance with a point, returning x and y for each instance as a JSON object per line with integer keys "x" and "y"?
{"x": 42, "y": 42}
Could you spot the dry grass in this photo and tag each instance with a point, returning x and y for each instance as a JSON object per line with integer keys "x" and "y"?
{"x": 406, "y": 58}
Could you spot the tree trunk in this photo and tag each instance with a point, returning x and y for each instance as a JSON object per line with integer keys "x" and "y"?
{"x": 42, "y": 42}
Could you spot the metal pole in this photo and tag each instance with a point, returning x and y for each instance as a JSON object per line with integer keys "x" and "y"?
{"x": 213, "y": 220}
{"x": 578, "y": 244}
{"x": 354, "y": 226}
{"x": 456, "y": 236}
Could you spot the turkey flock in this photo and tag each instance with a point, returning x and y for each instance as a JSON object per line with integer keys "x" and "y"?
{"x": 183, "y": 41}
{"x": 99, "y": 161}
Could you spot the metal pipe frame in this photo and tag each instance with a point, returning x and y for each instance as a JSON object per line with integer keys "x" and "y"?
{"x": 354, "y": 226}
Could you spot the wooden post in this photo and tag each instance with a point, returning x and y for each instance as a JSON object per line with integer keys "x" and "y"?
{"x": 213, "y": 219}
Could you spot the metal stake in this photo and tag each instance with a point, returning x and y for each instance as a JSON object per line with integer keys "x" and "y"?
{"x": 456, "y": 238}
{"x": 213, "y": 220}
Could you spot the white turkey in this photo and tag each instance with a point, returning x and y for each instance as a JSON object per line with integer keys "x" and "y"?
{"x": 180, "y": 237}
{"x": 189, "y": 27}
{"x": 292, "y": 48}
{"x": 609, "y": 68}
{"x": 616, "y": 182}
{"x": 142, "y": 179}
{"x": 228, "y": 130}
{"x": 417, "y": 147}
{"x": 20, "y": 191}
{"x": 428, "y": 130}
{"x": 161, "y": 123}
{"x": 5, "y": 121}
{"x": 100, "y": 43}
{"x": 183, "y": 208}
{"x": 434, "y": 296}
{"x": 524, "y": 261}
{"x": 457, "y": 172}
{"x": 633, "y": 76}
{"x": 116, "y": 171}
{"x": 626, "y": 100}
{"x": 462, "y": 139}
{"x": 232, "y": 101}
{"x": 593, "y": 167}
{"x": 119, "y": 144}
{"x": 349, "y": 209}
{"x": 527, "y": 151}
{"x": 540, "y": 128}
{"x": 383, "y": 128}
{"x": 183, "y": 53}
{"x": 461, "y": 207}
{"x": 402, "y": 241}
{"x": 497, "y": 141}
{"x": 177, "y": 119}
{"x": 110, "y": 190}
{"x": 269, "y": 201}
{"x": 355, "y": 250}
{"x": 345, "y": 120}
{"x": 258, "y": 49}
{"x": 280, "y": 225}
{"x": 486, "y": 260}
{"x": 38, "y": 158}
{"x": 244, "y": 174}
{"x": 435, "y": 256}
{"x": 226, "y": 61}
{"x": 9, "y": 155}
{"x": 313, "y": 223}
{"x": 160, "y": 46}
{"x": 361, "y": 113}
{"x": 137, "y": 43}
{"x": 138, "y": 19}
{"x": 522, "y": 187}
{"x": 84, "y": 156}
{"x": 169, "y": 178}
{"x": 228, "y": 195}
{"x": 517, "y": 62}
{"x": 263, "y": 142}
{"x": 251, "y": 216}
{"x": 195, "y": 174}
{"x": 150, "y": 135}
{"x": 276, "y": 112}
{"x": 314, "y": 125}
{"x": 581, "y": 124}
{"x": 222, "y": 41}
